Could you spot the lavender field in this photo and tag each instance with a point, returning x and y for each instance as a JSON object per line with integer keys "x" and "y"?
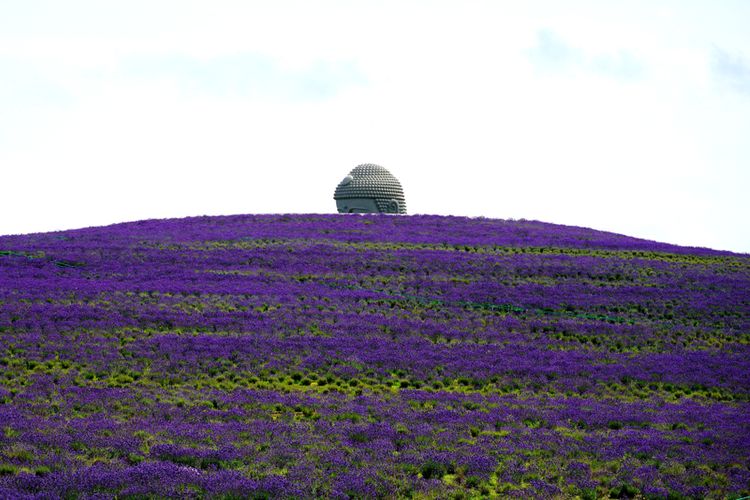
{"x": 360, "y": 356}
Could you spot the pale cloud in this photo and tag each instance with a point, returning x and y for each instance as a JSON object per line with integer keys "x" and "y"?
{"x": 246, "y": 75}
{"x": 731, "y": 70}
{"x": 23, "y": 85}
{"x": 621, "y": 65}
{"x": 552, "y": 53}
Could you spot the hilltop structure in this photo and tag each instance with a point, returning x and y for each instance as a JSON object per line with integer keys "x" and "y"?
{"x": 370, "y": 188}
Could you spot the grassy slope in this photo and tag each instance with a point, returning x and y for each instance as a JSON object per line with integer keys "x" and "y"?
{"x": 371, "y": 355}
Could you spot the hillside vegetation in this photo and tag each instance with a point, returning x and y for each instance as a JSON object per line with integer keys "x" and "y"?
{"x": 370, "y": 355}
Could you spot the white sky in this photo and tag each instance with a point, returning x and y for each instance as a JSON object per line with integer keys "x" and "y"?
{"x": 627, "y": 116}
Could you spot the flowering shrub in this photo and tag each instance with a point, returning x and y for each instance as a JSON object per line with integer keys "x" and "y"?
{"x": 359, "y": 356}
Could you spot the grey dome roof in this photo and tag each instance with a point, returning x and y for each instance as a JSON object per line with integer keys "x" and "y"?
{"x": 372, "y": 181}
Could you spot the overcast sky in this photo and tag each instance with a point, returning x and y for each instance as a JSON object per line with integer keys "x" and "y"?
{"x": 627, "y": 116}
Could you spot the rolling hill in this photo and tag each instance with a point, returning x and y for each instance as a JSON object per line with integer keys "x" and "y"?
{"x": 362, "y": 356}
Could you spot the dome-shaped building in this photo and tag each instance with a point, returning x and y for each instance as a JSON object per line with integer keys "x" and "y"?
{"x": 370, "y": 188}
